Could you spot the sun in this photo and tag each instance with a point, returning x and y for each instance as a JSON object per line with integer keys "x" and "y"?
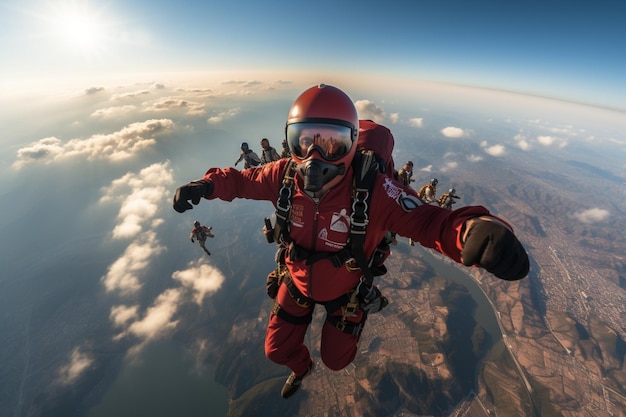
{"x": 80, "y": 30}
{"x": 75, "y": 25}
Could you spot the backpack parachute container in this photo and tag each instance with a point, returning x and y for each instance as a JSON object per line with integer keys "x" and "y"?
{"x": 376, "y": 142}
{"x": 378, "y": 139}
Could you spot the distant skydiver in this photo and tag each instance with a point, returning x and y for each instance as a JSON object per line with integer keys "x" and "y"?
{"x": 447, "y": 200}
{"x": 428, "y": 192}
{"x": 286, "y": 153}
{"x": 268, "y": 154}
{"x": 201, "y": 233}
{"x": 251, "y": 159}
{"x": 405, "y": 175}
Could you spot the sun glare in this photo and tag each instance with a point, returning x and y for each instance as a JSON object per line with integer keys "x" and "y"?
{"x": 76, "y": 26}
{"x": 80, "y": 30}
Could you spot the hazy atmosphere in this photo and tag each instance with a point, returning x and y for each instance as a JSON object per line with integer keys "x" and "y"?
{"x": 109, "y": 106}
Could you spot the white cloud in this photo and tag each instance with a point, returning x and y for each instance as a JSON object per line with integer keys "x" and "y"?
{"x": 202, "y": 279}
{"x": 551, "y": 141}
{"x": 140, "y": 200}
{"x": 122, "y": 315}
{"x": 474, "y": 158}
{"x": 130, "y": 95}
{"x": 140, "y": 196}
{"x": 394, "y": 117}
{"x": 192, "y": 108}
{"x": 78, "y": 363}
{"x": 93, "y": 90}
{"x": 453, "y": 132}
{"x": 119, "y": 145}
{"x": 428, "y": 168}
{"x": 524, "y": 145}
{"x": 522, "y": 142}
{"x": 416, "y": 122}
{"x": 593, "y": 215}
{"x": 369, "y": 110}
{"x": 157, "y": 322}
{"x": 113, "y": 112}
{"x": 449, "y": 166}
{"x": 495, "y": 150}
{"x": 562, "y": 130}
{"x": 220, "y": 117}
{"x": 240, "y": 82}
{"x": 123, "y": 274}
{"x": 545, "y": 140}
{"x": 198, "y": 281}
{"x": 159, "y": 317}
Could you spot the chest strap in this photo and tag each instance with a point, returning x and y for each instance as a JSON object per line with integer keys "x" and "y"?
{"x": 283, "y": 205}
{"x": 366, "y": 170}
{"x": 297, "y": 252}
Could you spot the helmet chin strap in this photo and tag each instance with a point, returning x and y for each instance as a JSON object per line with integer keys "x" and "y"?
{"x": 317, "y": 173}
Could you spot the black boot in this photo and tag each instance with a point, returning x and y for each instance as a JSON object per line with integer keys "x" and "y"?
{"x": 293, "y": 382}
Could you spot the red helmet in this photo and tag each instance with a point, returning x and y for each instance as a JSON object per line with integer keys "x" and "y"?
{"x": 323, "y": 119}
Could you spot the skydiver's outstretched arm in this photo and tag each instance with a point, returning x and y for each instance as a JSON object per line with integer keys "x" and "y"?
{"x": 207, "y": 230}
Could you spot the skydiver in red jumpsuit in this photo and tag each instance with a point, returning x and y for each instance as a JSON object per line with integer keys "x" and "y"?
{"x": 322, "y": 131}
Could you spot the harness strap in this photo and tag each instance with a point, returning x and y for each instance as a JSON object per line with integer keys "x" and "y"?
{"x": 364, "y": 181}
{"x": 336, "y": 258}
{"x": 283, "y": 205}
{"x": 304, "y": 301}
{"x": 290, "y": 318}
{"x": 347, "y": 303}
{"x": 354, "y": 329}
{"x": 294, "y": 292}
{"x": 366, "y": 169}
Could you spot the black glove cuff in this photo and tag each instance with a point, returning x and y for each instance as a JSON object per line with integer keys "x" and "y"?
{"x": 207, "y": 185}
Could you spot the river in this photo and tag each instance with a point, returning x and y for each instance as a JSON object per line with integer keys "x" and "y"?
{"x": 484, "y": 313}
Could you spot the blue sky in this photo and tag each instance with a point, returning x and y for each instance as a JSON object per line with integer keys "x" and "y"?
{"x": 562, "y": 49}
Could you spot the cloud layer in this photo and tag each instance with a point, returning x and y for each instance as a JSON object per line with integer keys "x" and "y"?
{"x": 123, "y": 144}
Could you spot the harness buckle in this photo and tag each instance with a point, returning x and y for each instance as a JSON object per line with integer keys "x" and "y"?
{"x": 301, "y": 302}
{"x": 350, "y": 309}
{"x": 341, "y": 326}
{"x": 351, "y": 268}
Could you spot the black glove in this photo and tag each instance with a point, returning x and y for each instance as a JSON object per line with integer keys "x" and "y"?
{"x": 193, "y": 191}
{"x": 374, "y": 301}
{"x": 272, "y": 284}
{"x": 493, "y": 246}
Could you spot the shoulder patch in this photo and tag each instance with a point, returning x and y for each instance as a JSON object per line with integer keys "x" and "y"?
{"x": 404, "y": 200}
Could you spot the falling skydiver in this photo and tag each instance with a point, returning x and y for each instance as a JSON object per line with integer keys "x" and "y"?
{"x": 201, "y": 233}
{"x": 447, "y": 200}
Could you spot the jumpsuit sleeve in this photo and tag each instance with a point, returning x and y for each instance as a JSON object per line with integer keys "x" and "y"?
{"x": 431, "y": 226}
{"x": 256, "y": 183}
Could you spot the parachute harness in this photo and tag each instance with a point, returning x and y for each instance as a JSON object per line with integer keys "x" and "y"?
{"x": 283, "y": 206}
{"x": 366, "y": 170}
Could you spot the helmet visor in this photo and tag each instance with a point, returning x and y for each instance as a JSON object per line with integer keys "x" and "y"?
{"x": 333, "y": 142}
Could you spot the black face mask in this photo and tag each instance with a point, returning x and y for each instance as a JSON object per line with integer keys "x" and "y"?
{"x": 317, "y": 173}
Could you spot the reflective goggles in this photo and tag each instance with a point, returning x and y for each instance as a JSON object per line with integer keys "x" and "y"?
{"x": 333, "y": 142}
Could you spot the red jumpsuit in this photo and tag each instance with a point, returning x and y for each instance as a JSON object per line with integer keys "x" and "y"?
{"x": 325, "y": 226}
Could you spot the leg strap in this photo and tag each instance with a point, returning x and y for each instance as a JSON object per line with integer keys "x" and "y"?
{"x": 354, "y": 329}
{"x": 295, "y": 293}
{"x": 290, "y": 318}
